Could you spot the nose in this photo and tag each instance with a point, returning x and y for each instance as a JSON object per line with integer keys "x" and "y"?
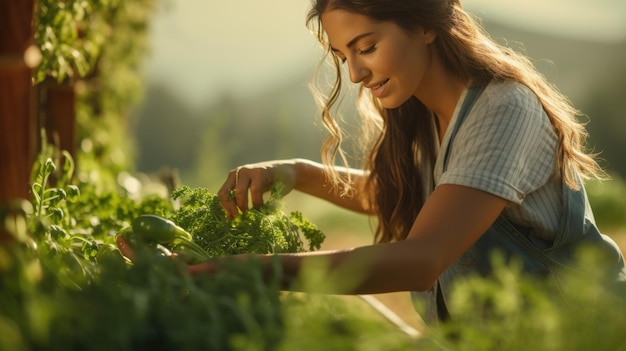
{"x": 357, "y": 71}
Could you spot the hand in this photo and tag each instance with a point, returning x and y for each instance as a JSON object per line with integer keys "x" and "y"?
{"x": 124, "y": 248}
{"x": 213, "y": 265}
{"x": 206, "y": 267}
{"x": 127, "y": 250}
{"x": 254, "y": 180}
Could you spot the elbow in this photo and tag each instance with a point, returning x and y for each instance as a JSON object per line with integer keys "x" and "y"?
{"x": 426, "y": 280}
{"x": 408, "y": 266}
{"x": 430, "y": 269}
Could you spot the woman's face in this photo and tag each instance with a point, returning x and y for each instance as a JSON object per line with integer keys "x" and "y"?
{"x": 384, "y": 58}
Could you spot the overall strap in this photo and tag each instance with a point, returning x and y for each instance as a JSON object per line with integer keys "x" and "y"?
{"x": 471, "y": 97}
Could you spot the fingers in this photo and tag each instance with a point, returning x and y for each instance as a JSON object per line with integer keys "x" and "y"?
{"x": 124, "y": 248}
{"x": 241, "y": 185}
{"x": 226, "y": 195}
{"x": 256, "y": 196}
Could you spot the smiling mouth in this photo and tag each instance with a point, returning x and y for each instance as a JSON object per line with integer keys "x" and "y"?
{"x": 381, "y": 84}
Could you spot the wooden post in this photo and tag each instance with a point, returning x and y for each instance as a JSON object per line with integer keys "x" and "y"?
{"x": 57, "y": 113}
{"x": 17, "y": 119}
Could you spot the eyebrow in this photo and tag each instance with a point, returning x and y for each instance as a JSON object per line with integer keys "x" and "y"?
{"x": 354, "y": 40}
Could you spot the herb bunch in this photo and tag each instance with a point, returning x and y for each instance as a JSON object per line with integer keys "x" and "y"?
{"x": 266, "y": 229}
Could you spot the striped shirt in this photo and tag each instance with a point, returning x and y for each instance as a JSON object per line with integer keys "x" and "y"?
{"x": 506, "y": 146}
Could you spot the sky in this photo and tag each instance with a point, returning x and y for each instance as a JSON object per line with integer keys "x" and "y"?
{"x": 203, "y": 49}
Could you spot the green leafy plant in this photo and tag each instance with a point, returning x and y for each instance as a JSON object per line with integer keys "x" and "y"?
{"x": 266, "y": 229}
{"x": 514, "y": 311}
{"x": 71, "y": 289}
{"x": 150, "y": 303}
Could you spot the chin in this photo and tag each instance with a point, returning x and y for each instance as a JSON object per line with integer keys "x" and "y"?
{"x": 391, "y": 103}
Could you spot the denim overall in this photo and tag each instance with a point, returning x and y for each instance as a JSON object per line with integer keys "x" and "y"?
{"x": 538, "y": 257}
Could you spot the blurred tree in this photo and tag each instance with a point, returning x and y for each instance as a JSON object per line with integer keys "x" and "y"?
{"x": 205, "y": 143}
{"x": 168, "y": 132}
{"x": 608, "y": 201}
{"x": 216, "y": 149}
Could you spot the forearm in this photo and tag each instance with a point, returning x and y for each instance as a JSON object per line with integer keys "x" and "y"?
{"x": 311, "y": 179}
{"x": 372, "y": 269}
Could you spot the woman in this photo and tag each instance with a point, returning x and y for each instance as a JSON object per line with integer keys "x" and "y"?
{"x": 471, "y": 151}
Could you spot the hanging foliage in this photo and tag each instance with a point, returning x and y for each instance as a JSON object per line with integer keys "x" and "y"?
{"x": 98, "y": 47}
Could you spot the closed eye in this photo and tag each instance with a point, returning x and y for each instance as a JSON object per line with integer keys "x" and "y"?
{"x": 368, "y": 50}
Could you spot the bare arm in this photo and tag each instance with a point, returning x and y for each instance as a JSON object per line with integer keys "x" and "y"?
{"x": 452, "y": 219}
{"x": 310, "y": 179}
{"x": 251, "y": 181}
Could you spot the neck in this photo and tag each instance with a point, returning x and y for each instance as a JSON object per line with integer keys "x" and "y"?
{"x": 440, "y": 93}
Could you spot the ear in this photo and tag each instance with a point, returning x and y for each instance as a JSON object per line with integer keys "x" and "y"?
{"x": 429, "y": 36}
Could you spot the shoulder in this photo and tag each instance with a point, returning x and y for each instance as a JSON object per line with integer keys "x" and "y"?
{"x": 505, "y": 146}
{"x": 509, "y": 93}
{"x": 509, "y": 105}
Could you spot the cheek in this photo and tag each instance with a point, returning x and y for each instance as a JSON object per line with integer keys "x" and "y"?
{"x": 394, "y": 61}
{"x": 414, "y": 62}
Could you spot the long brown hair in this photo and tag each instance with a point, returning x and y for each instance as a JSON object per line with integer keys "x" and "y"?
{"x": 402, "y": 140}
